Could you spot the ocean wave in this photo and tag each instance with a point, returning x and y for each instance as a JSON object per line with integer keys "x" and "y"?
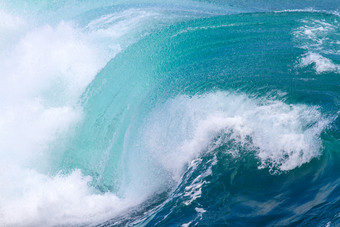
{"x": 194, "y": 113}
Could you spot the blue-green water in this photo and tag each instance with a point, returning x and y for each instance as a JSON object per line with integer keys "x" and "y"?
{"x": 195, "y": 113}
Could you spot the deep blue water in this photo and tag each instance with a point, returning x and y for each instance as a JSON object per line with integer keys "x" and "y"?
{"x": 194, "y": 113}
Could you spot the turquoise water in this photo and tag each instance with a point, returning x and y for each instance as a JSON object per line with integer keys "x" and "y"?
{"x": 170, "y": 114}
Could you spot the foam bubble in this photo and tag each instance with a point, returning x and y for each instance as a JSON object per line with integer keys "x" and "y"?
{"x": 12, "y": 26}
{"x": 282, "y": 136}
{"x": 318, "y": 38}
{"x": 44, "y": 73}
{"x": 42, "y": 79}
{"x": 26, "y": 131}
{"x": 40, "y": 200}
{"x": 55, "y": 62}
{"x": 10, "y": 22}
{"x": 321, "y": 64}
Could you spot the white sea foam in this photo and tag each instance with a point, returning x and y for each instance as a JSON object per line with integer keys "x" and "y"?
{"x": 311, "y": 10}
{"x": 42, "y": 79}
{"x": 319, "y": 39}
{"x": 186, "y": 224}
{"x": 282, "y": 136}
{"x": 10, "y": 22}
{"x": 44, "y": 71}
{"x": 321, "y": 64}
{"x": 194, "y": 190}
{"x": 50, "y": 201}
{"x": 11, "y": 26}
{"x": 52, "y": 63}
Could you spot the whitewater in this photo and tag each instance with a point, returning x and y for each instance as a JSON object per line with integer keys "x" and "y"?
{"x": 184, "y": 113}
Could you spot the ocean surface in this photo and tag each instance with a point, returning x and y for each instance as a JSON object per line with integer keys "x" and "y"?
{"x": 158, "y": 113}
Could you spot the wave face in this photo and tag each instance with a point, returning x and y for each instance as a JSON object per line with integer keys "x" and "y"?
{"x": 170, "y": 114}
